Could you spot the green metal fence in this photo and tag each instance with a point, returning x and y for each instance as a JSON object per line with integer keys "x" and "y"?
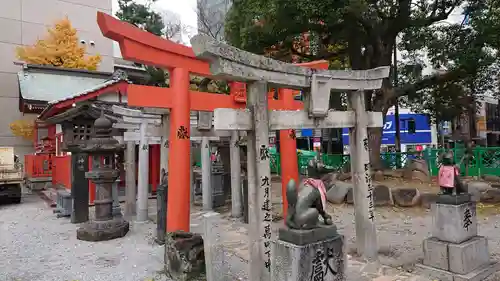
{"x": 340, "y": 162}
{"x": 484, "y": 161}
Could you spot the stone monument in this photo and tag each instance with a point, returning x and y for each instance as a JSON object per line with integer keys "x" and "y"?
{"x": 455, "y": 252}
{"x": 307, "y": 249}
{"x": 102, "y": 148}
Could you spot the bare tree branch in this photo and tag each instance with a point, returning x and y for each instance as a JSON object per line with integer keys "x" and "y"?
{"x": 211, "y": 19}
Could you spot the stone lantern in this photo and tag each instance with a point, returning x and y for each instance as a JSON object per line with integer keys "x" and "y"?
{"x": 103, "y": 148}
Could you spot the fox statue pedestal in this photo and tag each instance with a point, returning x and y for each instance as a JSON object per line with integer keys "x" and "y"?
{"x": 308, "y": 249}
{"x": 303, "y": 255}
{"x": 456, "y": 252}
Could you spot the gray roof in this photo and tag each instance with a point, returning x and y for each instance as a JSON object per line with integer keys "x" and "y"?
{"x": 53, "y": 86}
{"x": 89, "y": 90}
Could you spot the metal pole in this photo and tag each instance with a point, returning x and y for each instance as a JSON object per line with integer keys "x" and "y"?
{"x": 396, "y": 105}
{"x": 397, "y": 140}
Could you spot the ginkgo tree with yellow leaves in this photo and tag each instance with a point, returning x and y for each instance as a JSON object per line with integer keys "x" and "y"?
{"x": 60, "y": 48}
{"x": 22, "y": 128}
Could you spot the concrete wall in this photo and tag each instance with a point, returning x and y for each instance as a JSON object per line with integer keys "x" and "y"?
{"x": 22, "y": 22}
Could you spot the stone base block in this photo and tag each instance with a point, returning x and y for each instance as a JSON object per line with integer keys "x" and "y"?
{"x": 479, "y": 274}
{"x": 325, "y": 260}
{"x": 469, "y": 255}
{"x": 436, "y": 253}
{"x": 103, "y": 230}
{"x": 307, "y": 236}
{"x": 457, "y": 258}
{"x": 454, "y": 223}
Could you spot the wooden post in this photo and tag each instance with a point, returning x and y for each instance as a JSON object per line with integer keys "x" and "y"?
{"x": 364, "y": 210}
{"x": 259, "y": 195}
{"x": 288, "y": 147}
{"x": 179, "y": 190}
{"x": 143, "y": 174}
{"x": 234, "y": 151}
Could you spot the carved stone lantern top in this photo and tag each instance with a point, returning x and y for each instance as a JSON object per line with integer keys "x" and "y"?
{"x": 102, "y": 142}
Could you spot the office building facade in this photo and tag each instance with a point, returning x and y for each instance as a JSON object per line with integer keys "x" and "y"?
{"x": 23, "y": 22}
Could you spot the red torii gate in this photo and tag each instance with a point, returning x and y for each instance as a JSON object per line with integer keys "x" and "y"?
{"x": 146, "y": 48}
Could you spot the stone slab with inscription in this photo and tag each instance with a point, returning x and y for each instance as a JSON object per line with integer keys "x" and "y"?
{"x": 454, "y": 223}
{"x": 324, "y": 260}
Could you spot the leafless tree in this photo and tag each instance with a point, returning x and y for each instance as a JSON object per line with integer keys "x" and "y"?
{"x": 211, "y": 18}
{"x": 173, "y": 26}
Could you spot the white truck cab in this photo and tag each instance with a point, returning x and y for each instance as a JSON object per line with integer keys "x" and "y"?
{"x": 11, "y": 175}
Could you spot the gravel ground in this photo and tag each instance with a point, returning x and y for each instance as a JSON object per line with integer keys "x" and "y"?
{"x": 401, "y": 231}
{"x": 36, "y": 246}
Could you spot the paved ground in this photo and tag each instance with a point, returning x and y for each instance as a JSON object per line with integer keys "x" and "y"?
{"x": 36, "y": 246}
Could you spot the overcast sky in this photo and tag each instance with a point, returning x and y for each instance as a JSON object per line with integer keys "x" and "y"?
{"x": 186, "y": 9}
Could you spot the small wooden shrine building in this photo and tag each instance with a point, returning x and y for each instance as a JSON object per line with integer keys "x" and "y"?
{"x": 73, "y": 118}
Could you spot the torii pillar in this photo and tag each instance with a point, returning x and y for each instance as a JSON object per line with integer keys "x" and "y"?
{"x": 179, "y": 164}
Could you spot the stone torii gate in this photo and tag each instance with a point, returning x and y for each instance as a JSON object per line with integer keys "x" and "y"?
{"x": 142, "y": 121}
{"x": 146, "y": 48}
{"x": 259, "y": 72}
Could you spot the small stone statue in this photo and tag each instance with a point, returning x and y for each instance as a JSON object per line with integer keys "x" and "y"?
{"x": 448, "y": 177}
{"x": 309, "y": 200}
{"x": 163, "y": 177}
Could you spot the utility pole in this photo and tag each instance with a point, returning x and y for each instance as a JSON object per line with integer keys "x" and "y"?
{"x": 396, "y": 105}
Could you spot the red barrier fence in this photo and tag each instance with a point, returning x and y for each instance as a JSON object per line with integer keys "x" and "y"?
{"x": 61, "y": 174}
{"x": 38, "y": 166}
